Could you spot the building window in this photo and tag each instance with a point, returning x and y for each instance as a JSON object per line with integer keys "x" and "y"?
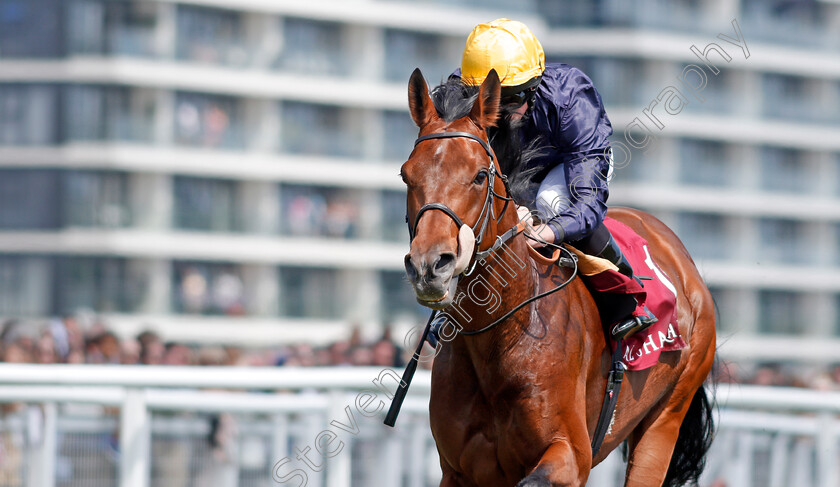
{"x": 320, "y": 130}
{"x": 27, "y": 114}
{"x": 25, "y": 285}
{"x": 400, "y": 133}
{"x": 310, "y": 293}
{"x": 95, "y": 199}
{"x": 313, "y": 211}
{"x": 394, "y": 227}
{"x": 98, "y": 284}
{"x": 207, "y": 289}
{"x": 618, "y": 80}
{"x": 782, "y": 242}
{"x": 398, "y": 298}
{"x": 96, "y": 113}
{"x": 724, "y": 304}
{"x": 785, "y": 96}
{"x": 703, "y": 163}
{"x": 29, "y": 199}
{"x": 704, "y": 235}
{"x": 31, "y": 28}
{"x": 311, "y": 46}
{"x": 106, "y": 27}
{"x": 205, "y": 204}
{"x": 837, "y": 315}
{"x": 208, "y": 121}
{"x": 405, "y": 51}
{"x": 778, "y": 313}
{"x": 635, "y": 166}
{"x": 209, "y": 35}
{"x": 783, "y": 170}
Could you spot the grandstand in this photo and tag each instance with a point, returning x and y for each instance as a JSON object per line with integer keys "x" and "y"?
{"x": 226, "y": 172}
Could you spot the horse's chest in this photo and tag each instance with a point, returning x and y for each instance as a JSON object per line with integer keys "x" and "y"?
{"x": 487, "y": 439}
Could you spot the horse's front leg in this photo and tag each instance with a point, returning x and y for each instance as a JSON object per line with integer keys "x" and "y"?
{"x": 559, "y": 466}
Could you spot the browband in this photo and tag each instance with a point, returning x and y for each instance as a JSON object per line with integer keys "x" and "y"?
{"x": 448, "y": 135}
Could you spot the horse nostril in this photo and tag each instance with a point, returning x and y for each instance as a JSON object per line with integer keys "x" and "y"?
{"x": 443, "y": 261}
{"x": 410, "y": 270}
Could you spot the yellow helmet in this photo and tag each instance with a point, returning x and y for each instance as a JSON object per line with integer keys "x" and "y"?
{"x": 507, "y": 46}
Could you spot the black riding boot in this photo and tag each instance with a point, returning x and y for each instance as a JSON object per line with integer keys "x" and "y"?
{"x": 632, "y": 324}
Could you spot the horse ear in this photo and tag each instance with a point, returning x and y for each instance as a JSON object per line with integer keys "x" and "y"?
{"x": 485, "y": 111}
{"x": 419, "y": 102}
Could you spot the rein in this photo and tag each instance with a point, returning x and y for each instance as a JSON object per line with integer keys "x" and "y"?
{"x": 483, "y": 219}
{"x": 487, "y": 211}
{"x": 617, "y": 369}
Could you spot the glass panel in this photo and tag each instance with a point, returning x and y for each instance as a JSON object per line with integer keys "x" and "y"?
{"x": 778, "y": 313}
{"x": 640, "y": 167}
{"x": 27, "y": 114}
{"x": 726, "y": 321}
{"x": 108, "y": 27}
{"x": 205, "y": 204}
{"x": 783, "y": 96}
{"x": 211, "y": 36}
{"x": 96, "y": 113}
{"x": 704, "y": 235}
{"x": 309, "y": 293}
{"x": 95, "y": 199}
{"x": 31, "y": 28}
{"x": 130, "y": 27}
{"x": 400, "y": 133}
{"x": 782, "y": 170}
{"x": 782, "y": 242}
{"x": 719, "y": 97}
{"x": 398, "y": 298}
{"x": 320, "y": 130}
{"x": 618, "y": 81}
{"x": 313, "y": 47}
{"x": 29, "y": 199}
{"x": 793, "y": 23}
{"x": 207, "y": 288}
{"x": 25, "y": 285}
{"x": 208, "y": 121}
{"x": 394, "y": 227}
{"x": 703, "y": 163}
{"x": 406, "y": 50}
{"x": 94, "y": 284}
{"x": 310, "y": 211}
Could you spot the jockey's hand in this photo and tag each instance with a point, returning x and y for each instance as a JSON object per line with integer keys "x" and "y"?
{"x": 542, "y": 235}
{"x": 525, "y": 216}
{"x": 540, "y": 231}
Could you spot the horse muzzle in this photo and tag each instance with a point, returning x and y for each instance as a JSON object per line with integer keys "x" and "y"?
{"x": 434, "y": 274}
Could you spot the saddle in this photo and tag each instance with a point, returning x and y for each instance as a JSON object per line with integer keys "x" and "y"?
{"x": 618, "y": 296}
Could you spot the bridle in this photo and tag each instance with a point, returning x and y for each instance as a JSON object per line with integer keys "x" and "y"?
{"x": 487, "y": 212}
{"x": 484, "y": 217}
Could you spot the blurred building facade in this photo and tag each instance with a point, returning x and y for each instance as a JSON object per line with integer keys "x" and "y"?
{"x": 227, "y": 171}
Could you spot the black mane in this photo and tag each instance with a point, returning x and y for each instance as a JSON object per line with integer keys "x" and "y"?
{"x": 453, "y": 100}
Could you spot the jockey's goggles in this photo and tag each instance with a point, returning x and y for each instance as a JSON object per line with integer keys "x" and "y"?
{"x": 517, "y": 95}
{"x": 519, "y": 98}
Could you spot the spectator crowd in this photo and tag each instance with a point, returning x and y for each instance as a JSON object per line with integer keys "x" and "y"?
{"x": 67, "y": 341}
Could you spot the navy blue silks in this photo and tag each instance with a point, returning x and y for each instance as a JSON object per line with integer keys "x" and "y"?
{"x": 569, "y": 118}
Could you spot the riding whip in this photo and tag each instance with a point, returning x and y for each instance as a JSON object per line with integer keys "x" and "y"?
{"x": 402, "y": 388}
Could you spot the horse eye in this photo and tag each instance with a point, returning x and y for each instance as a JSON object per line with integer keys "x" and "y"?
{"x": 480, "y": 178}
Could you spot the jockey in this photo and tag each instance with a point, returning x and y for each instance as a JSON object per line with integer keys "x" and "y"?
{"x": 558, "y": 105}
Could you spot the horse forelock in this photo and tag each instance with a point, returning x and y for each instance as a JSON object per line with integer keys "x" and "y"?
{"x": 454, "y": 100}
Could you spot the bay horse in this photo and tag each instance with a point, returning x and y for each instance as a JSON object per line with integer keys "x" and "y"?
{"x": 518, "y": 404}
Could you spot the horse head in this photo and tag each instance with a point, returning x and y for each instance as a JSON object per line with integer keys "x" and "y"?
{"x": 454, "y": 188}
